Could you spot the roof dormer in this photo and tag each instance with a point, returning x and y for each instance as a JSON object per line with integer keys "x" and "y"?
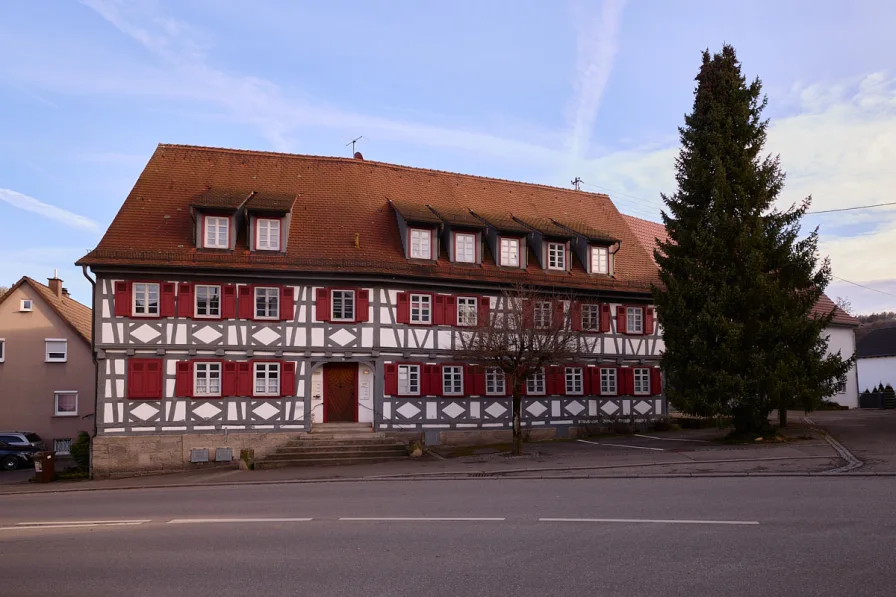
{"x": 506, "y": 239}
{"x": 418, "y": 227}
{"x": 462, "y": 234}
{"x": 269, "y": 216}
{"x": 552, "y": 243}
{"x": 216, "y": 217}
{"x": 596, "y": 249}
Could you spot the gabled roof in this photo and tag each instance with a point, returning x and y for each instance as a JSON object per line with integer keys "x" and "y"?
{"x": 650, "y": 232}
{"x": 545, "y": 226}
{"x": 226, "y": 199}
{"x": 78, "y": 316}
{"x": 878, "y": 343}
{"x": 337, "y": 199}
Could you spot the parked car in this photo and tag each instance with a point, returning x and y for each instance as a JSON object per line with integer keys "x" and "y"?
{"x": 23, "y": 438}
{"x": 13, "y": 457}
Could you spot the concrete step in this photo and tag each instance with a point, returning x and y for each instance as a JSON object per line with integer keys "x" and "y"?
{"x": 339, "y": 436}
{"x": 315, "y": 455}
{"x": 341, "y": 428}
{"x": 338, "y": 461}
{"x": 340, "y": 441}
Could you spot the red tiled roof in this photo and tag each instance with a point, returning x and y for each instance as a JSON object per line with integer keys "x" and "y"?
{"x": 338, "y": 198}
{"x": 78, "y": 316}
{"x": 649, "y": 232}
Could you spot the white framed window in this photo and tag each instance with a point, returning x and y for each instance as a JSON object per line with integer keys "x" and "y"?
{"x": 421, "y": 308}
{"x": 65, "y": 403}
{"x": 510, "y": 252}
{"x": 557, "y": 256}
{"x": 267, "y": 303}
{"x": 208, "y": 301}
{"x": 216, "y": 234}
{"x": 62, "y": 446}
{"x": 342, "y": 305}
{"x": 421, "y": 244}
{"x": 2, "y": 349}
{"x": 465, "y": 247}
{"x": 409, "y": 380}
{"x": 642, "y": 381}
{"x": 535, "y": 383}
{"x": 267, "y": 234}
{"x": 145, "y": 298}
{"x": 467, "y": 311}
{"x": 600, "y": 260}
{"x": 452, "y": 380}
{"x": 57, "y": 350}
{"x": 591, "y": 317}
{"x": 267, "y": 379}
{"x": 542, "y": 314}
{"x": 608, "y": 381}
{"x": 574, "y": 380}
{"x": 26, "y": 305}
{"x": 495, "y": 382}
{"x": 206, "y": 379}
{"x": 634, "y": 320}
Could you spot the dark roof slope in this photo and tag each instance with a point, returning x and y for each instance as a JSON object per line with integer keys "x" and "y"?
{"x": 337, "y": 199}
{"x": 78, "y": 316}
{"x": 879, "y": 343}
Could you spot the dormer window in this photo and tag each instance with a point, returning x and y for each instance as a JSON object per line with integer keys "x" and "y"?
{"x": 600, "y": 260}
{"x": 421, "y": 244}
{"x": 557, "y": 256}
{"x": 510, "y": 252}
{"x": 465, "y": 247}
{"x": 267, "y": 234}
{"x": 216, "y": 232}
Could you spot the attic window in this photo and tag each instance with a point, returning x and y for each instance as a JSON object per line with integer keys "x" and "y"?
{"x": 421, "y": 244}
{"x": 26, "y": 305}
{"x": 510, "y": 252}
{"x": 216, "y": 232}
{"x": 267, "y": 234}
{"x": 556, "y": 256}
{"x": 600, "y": 260}
{"x": 465, "y": 247}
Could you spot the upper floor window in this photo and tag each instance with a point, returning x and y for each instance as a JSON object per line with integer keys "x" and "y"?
{"x": 421, "y": 244}
{"x": 208, "y": 301}
{"x": 2, "y": 350}
{"x": 535, "y": 383}
{"x": 542, "y": 315}
{"x": 608, "y": 381}
{"x": 267, "y": 234}
{"x": 494, "y": 382}
{"x": 267, "y": 303}
{"x": 510, "y": 252}
{"x": 343, "y": 305}
{"x": 591, "y": 317}
{"x": 642, "y": 381}
{"x": 421, "y": 308}
{"x": 465, "y": 247}
{"x": 217, "y": 232}
{"x": 574, "y": 380}
{"x": 57, "y": 350}
{"x": 65, "y": 404}
{"x": 600, "y": 260}
{"x": 634, "y": 320}
{"x": 409, "y": 380}
{"x": 145, "y": 299}
{"x": 467, "y": 307}
{"x": 26, "y": 305}
{"x": 452, "y": 380}
{"x": 556, "y": 256}
{"x": 267, "y": 379}
{"x": 207, "y": 379}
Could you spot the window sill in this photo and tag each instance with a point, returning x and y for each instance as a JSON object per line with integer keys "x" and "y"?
{"x": 56, "y": 361}
{"x": 65, "y": 416}
{"x": 209, "y": 317}
{"x": 142, "y": 316}
{"x": 266, "y": 396}
{"x": 206, "y": 396}
{"x": 641, "y": 394}
{"x": 257, "y": 318}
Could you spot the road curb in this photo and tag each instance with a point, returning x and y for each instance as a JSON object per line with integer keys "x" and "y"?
{"x": 852, "y": 462}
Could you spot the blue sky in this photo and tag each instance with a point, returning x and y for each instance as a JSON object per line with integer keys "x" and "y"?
{"x": 521, "y": 89}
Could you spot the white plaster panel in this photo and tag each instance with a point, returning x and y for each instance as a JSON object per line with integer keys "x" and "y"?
{"x": 231, "y": 335}
{"x": 143, "y": 428}
{"x": 444, "y": 339}
{"x": 171, "y": 367}
{"x": 233, "y": 426}
{"x": 231, "y": 411}
{"x": 474, "y": 409}
{"x": 107, "y": 335}
{"x": 658, "y": 407}
{"x": 180, "y": 411}
{"x": 385, "y": 316}
{"x": 610, "y": 346}
{"x": 120, "y": 327}
{"x": 420, "y": 336}
{"x": 180, "y": 337}
{"x": 367, "y": 337}
{"x": 108, "y": 388}
{"x": 317, "y": 337}
{"x": 301, "y": 391}
{"x": 204, "y": 427}
{"x": 387, "y": 410}
{"x": 119, "y": 388}
{"x": 301, "y": 312}
{"x": 114, "y": 430}
{"x": 592, "y": 408}
{"x": 299, "y": 339}
{"x": 298, "y": 411}
{"x": 257, "y": 427}
{"x": 169, "y": 388}
{"x": 432, "y": 411}
{"x": 120, "y": 408}
{"x": 108, "y": 413}
{"x": 626, "y": 407}
{"x": 107, "y": 312}
{"x": 555, "y": 408}
{"x": 387, "y": 338}
{"x": 174, "y": 428}
{"x": 108, "y": 366}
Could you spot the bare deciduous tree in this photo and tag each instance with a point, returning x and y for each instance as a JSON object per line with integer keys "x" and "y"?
{"x": 528, "y": 330}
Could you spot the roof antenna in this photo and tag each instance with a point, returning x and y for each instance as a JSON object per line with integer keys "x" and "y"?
{"x": 576, "y": 182}
{"x": 352, "y": 143}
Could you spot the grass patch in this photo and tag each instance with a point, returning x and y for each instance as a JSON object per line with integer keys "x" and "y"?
{"x": 74, "y": 475}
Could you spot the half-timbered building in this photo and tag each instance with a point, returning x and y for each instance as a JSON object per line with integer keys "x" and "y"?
{"x": 243, "y": 297}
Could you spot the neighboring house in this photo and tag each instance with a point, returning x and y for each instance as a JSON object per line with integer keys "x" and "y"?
{"x": 47, "y": 375}
{"x": 876, "y": 356}
{"x": 242, "y": 294}
{"x": 840, "y": 332}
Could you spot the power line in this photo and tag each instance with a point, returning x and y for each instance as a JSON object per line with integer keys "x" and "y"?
{"x": 827, "y": 211}
{"x": 861, "y": 286}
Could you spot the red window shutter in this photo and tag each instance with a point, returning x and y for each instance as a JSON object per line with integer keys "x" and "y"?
{"x": 244, "y": 378}
{"x": 122, "y": 299}
{"x": 153, "y": 378}
{"x": 483, "y": 317}
{"x": 185, "y": 300}
{"x": 524, "y": 388}
{"x": 288, "y": 378}
{"x": 362, "y": 309}
{"x": 593, "y": 374}
{"x": 553, "y": 376}
{"x": 229, "y": 384}
{"x": 438, "y": 310}
{"x": 322, "y": 304}
{"x": 586, "y": 379}
{"x": 136, "y": 381}
{"x": 247, "y": 302}
{"x": 576, "y": 315}
{"x": 620, "y": 319}
{"x": 432, "y": 380}
{"x": 228, "y": 301}
{"x": 469, "y": 381}
{"x": 287, "y": 303}
{"x": 403, "y": 313}
{"x": 627, "y": 381}
{"x": 648, "y": 321}
{"x": 390, "y": 379}
{"x": 559, "y": 314}
{"x": 528, "y": 313}
{"x": 451, "y": 310}
{"x": 656, "y": 381}
{"x": 183, "y": 379}
{"x": 478, "y": 374}
{"x": 605, "y": 318}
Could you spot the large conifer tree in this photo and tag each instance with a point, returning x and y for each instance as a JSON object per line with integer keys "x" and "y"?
{"x": 738, "y": 282}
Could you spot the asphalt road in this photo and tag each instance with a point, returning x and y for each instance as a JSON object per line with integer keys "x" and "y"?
{"x": 815, "y": 536}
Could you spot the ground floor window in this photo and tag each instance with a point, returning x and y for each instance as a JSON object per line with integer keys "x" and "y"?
{"x": 642, "y": 381}
{"x": 494, "y": 382}
{"x": 452, "y": 380}
{"x": 608, "y": 381}
{"x": 535, "y": 384}
{"x": 574, "y": 380}
{"x": 267, "y": 379}
{"x": 62, "y": 446}
{"x": 409, "y": 380}
{"x": 66, "y": 404}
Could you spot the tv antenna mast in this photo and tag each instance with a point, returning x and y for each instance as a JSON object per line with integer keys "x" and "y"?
{"x": 352, "y": 143}
{"x": 576, "y": 182}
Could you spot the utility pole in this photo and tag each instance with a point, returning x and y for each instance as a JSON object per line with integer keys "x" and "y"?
{"x": 576, "y": 182}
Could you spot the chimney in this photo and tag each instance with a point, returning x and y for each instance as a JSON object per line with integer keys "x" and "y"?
{"x": 55, "y": 284}
{"x": 358, "y": 156}
{"x": 65, "y": 293}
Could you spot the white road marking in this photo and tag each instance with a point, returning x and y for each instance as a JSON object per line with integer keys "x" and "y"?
{"x": 75, "y": 522}
{"x": 672, "y": 439}
{"x": 621, "y": 446}
{"x": 70, "y": 526}
{"x": 423, "y": 519}
{"x": 651, "y": 521}
{"x": 233, "y": 520}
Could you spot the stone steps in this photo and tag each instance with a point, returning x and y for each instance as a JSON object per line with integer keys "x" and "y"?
{"x": 325, "y": 452}
{"x": 329, "y": 461}
{"x": 332, "y": 444}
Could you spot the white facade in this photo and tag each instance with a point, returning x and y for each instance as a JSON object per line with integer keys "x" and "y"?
{"x": 874, "y": 371}
{"x": 843, "y": 339}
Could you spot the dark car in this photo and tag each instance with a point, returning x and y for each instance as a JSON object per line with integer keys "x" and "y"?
{"x": 23, "y": 438}
{"x": 13, "y": 457}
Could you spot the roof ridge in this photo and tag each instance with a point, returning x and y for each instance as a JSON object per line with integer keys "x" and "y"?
{"x": 305, "y": 156}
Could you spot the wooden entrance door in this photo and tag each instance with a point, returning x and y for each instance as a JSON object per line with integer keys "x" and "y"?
{"x": 340, "y": 393}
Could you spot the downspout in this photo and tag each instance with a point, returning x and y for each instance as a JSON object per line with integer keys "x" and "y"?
{"x": 96, "y": 368}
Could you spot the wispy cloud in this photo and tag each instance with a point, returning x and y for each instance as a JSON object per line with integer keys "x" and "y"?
{"x": 48, "y": 211}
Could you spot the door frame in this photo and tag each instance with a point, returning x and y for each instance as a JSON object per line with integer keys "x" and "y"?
{"x": 355, "y": 380}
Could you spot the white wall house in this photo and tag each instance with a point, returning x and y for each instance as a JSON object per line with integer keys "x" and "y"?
{"x": 877, "y": 359}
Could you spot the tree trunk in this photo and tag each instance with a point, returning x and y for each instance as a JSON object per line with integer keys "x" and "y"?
{"x": 517, "y": 427}
{"x": 782, "y": 416}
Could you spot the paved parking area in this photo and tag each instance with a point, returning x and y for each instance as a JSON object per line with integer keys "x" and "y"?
{"x": 869, "y": 434}
{"x": 14, "y": 477}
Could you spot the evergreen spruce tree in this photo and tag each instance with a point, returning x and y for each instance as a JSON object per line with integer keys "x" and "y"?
{"x": 738, "y": 282}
